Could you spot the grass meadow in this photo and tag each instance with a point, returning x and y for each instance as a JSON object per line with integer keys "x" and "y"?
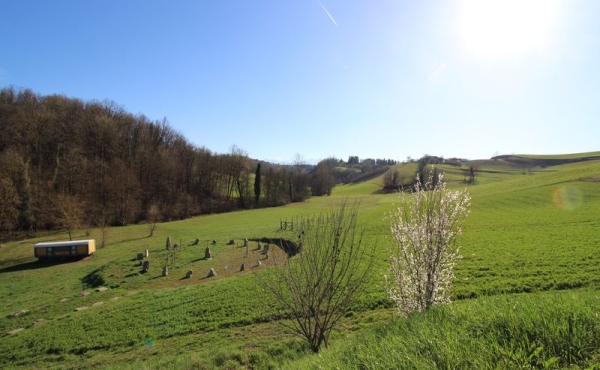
{"x": 526, "y": 292}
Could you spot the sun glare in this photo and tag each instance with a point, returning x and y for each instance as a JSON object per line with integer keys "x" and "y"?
{"x": 507, "y": 29}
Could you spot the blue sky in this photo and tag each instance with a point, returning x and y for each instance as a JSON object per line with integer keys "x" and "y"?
{"x": 282, "y": 78}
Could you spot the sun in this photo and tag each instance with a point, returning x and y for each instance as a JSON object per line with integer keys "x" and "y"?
{"x": 507, "y": 29}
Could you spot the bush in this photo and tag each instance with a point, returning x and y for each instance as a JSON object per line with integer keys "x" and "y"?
{"x": 425, "y": 228}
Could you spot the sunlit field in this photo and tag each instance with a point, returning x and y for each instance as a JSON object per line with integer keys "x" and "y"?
{"x": 530, "y": 241}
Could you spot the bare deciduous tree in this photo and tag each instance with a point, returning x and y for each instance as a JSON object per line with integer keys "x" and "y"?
{"x": 392, "y": 180}
{"x": 152, "y": 216}
{"x": 69, "y": 212}
{"x": 9, "y": 203}
{"x": 425, "y": 228}
{"x": 317, "y": 286}
{"x": 322, "y": 180}
{"x": 104, "y": 229}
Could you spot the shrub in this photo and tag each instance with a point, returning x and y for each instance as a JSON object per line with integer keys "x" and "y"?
{"x": 425, "y": 228}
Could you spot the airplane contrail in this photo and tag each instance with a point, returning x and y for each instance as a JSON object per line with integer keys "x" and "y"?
{"x": 329, "y": 15}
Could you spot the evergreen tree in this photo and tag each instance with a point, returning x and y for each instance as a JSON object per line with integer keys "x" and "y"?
{"x": 257, "y": 182}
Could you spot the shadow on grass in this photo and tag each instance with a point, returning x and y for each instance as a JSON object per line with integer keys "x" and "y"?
{"x": 201, "y": 259}
{"x": 34, "y": 265}
{"x": 288, "y": 246}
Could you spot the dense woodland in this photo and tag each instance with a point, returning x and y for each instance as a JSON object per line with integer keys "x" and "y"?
{"x": 66, "y": 163}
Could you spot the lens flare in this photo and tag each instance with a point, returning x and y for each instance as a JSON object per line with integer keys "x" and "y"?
{"x": 149, "y": 342}
{"x": 567, "y": 197}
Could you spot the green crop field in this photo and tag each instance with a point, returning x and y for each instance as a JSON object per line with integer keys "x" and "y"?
{"x": 532, "y": 240}
{"x": 562, "y": 156}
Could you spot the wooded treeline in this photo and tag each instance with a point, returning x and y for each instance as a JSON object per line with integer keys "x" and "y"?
{"x": 332, "y": 171}
{"x": 67, "y": 163}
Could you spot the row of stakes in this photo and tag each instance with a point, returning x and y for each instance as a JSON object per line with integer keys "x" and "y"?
{"x": 207, "y": 255}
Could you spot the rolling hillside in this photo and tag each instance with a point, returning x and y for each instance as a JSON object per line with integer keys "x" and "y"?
{"x": 531, "y": 230}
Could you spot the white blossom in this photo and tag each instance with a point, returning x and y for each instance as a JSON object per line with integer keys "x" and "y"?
{"x": 425, "y": 227}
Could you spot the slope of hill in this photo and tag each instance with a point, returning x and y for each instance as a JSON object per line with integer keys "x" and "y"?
{"x": 548, "y": 160}
{"x": 529, "y": 232}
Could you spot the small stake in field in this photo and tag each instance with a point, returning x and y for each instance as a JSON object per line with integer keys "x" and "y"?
{"x": 285, "y": 225}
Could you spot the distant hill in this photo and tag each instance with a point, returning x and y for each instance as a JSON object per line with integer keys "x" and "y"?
{"x": 457, "y": 171}
{"x": 548, "y": 160}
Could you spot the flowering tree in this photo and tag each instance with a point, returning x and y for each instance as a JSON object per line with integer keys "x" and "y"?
{"x": 425, "y": 228}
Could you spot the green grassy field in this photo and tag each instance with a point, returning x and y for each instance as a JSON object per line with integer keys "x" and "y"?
{"x": 534, "y": 233}
{"x": 544, "y": 330}
{"x": 562, "y": 156}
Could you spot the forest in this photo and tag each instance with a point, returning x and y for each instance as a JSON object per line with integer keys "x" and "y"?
{"x": 66, "y": 163}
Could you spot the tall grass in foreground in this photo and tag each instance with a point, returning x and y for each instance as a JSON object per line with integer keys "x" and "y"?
{"x": 548, "y": 330}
